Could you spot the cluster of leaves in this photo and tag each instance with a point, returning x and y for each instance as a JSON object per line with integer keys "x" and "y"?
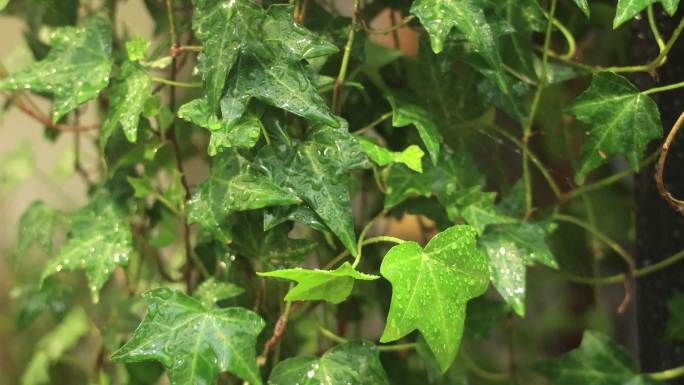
{"x": 306, "y": 127}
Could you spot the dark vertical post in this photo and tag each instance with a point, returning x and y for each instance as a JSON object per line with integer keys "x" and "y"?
{"x": 660, "y": 230}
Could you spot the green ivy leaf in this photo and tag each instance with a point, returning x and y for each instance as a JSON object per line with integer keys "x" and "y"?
{"x": 405, "y": 114}
{"x": 627, "y": 9}
{"x": 317, "y": 171}
{"x": 131, "y": 90}
{"x": 53, "y": 345}
{"x": 55, "y": 297}
{"x": 74, "y": 71}
{"x": 475, "y": 206}
{"x": 195, "y": 344}
{"x": 333, "y": 286}
{"x": 511, "y": 248}
{"x": 272, "y": 246}
{"x": 622, "y": 121}
{"x": 99, "y": 240}
{"x": 136, "y": 48}
{"x": 36, "y": 227}
{"x": 3, "y": 4}
{"x": 242, "y": 133}
{"x": 268, "y": 47}
{"x": 300, "y": 213}
{"x": 211, "y": 291}
{"x": 598, "y": 360}
{"x": 411, "y": 156}
{"x": 446, "y": 274}
{"x": 352, "y": 363}
{"x": 675, "y": 321}
{"x": 233, "y": 185}
{"x": 584, "y": 6}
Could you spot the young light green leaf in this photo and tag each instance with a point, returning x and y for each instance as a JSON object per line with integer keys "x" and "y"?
{"x": 511, "y": 248}
{"x": 317, "y": 170}
{"x": 622, "y": 121}
{"x": 136, "y": 48}
{"x": 584, "y": 6}
{"x": 194, "y": 343}
{"x": 233, "y": 185}
{"x": 670, "y": 6}
{"x": 352, "y": 363}
{"x": 99, "y": 240}
{"x": 3, "y": 4}
{"x": 446, "y": 274}
{"x": 407, "y": 113}
{"x": 53, "y": 345}
{"x": 74, "y": 71}
{"x": 675, "y": 320}
{"x": 36, "y": 227}
{"x": 333, "y": 286}
{"x": 598, "y": 360}
{"x": 211, "y": 291}
{"x": 17, "y": 165}
{"x": 411, "y": 156}
{"x": 475, "y": 206}
{"x": 242, "y": 133}
{"x": 131, "y": 90}
{"x": 627, "y": 9}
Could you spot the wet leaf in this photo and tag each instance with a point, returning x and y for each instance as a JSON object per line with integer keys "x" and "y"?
{"x": 76, "y": 69}
{"x": 446, "y": 274}
{"x": 622, "y": 120}
{"x": 99, "y": 240}
{"x": 511, "y": 248}
{"x": 627, "y": 9}
{"x": 584, "y": 6}
{"x": 211, "y": 291}
{"x": 234, "y": 185}
{"x": 131, "y": 90}
{"x": 195, "y": 344}
{"x": 352, "y": 363}
{"x": 333, "y": 286}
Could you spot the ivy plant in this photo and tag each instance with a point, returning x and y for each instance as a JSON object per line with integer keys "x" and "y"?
{"x": 251, "y": 165}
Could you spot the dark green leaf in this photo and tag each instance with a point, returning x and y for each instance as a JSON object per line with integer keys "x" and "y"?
{"x": 622, "y": 121}
{"x": 74, "y": 71}
{"x": 194, "y": 343}
{"x": 352, "y": 363}
{"x": 333, "y": 286}
{"x": 99, "y": 240}
{"x": 675, "y": 321}
{"x": 55, "y": 296}
{"x": 406, "y": 113}
{"x": 597, "y": 361}
{"x": 446, "y": 274}
{"x": 233, "y": 185}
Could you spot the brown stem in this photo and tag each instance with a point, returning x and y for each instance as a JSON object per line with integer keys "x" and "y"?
{"x": 676, "y": 204}
{"x": 278, "y": 332}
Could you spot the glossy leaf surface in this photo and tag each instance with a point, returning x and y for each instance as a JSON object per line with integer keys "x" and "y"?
{"x": 352, "y": 363}
{"x": 74, "y": 71}
{"x": 333, "y": 286}
{"x": 99, "y": 240}
{"x": 446, "y": 274}
{"x": 621, "y": 121}
{"x": 132, "y": 87}
{"x": 195, "y": 344}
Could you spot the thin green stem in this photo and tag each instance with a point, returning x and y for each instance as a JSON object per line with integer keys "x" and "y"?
{"x": 606, "y": 181}
{"x": 527, "y": 129}
{"x": 659, "y": 60}
{"x": 345, "y": 253}
{"x": 336, "y": 102}
{"x": 381, "y": 348}
{"x": 374, "y": 123}
{"x": 175, "y": 83}
{"x": 667, "y": 374}
{"x": 482, "y": 373}
{"x": 168, "y": 204}
{"x": 362, "y": 236}
{"x": 172, "y": 23}
{"x": 668, "y": 87}
{"x": 569, "y": 39}
{"x": 628, "y": 258}
{"x": 654, "y": 28}
{"x": 533, "y": 157}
